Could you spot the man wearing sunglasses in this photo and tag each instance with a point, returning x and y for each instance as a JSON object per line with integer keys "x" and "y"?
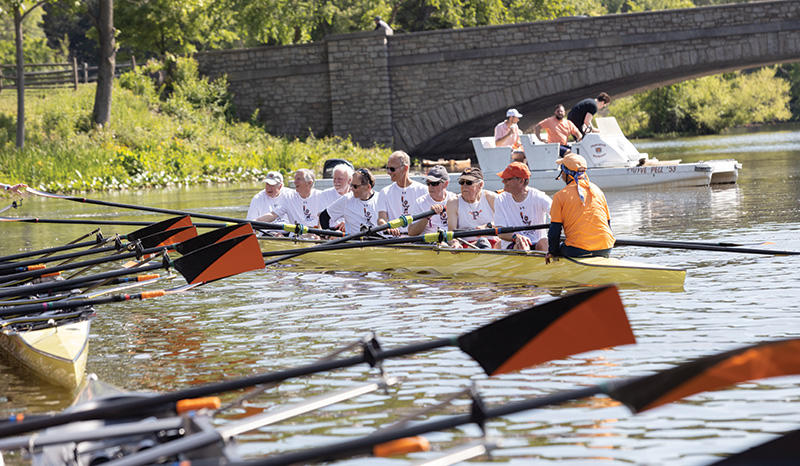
{"x": 472, "y": 209}
{"x": 521, "y": 205}
{"x": 359, "y": 207}
{"x": 437, "y": 197}
{"x": 396, "y": 199}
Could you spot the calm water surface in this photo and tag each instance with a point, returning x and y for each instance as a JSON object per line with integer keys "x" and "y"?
{"x": 284, "y": 316}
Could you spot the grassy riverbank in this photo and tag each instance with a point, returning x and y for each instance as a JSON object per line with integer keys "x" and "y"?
{"x": 148, "y": 143}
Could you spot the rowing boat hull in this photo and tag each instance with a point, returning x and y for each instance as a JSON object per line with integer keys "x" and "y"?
{"x": 57, "y": 354}
{"x": 487, "y": 265}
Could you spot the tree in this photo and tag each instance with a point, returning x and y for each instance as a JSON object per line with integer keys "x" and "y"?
{"x": 102, "y": 12}
{"x": 19, "y": 10}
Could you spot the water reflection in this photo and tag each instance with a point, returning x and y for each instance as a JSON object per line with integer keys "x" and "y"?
{"x": 285, "y": 316}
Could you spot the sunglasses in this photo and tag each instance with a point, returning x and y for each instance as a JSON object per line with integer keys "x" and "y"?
{"x": 466, "y": 182}
{"x": 393, "y": 169}
{"x": 434, "y": 183}
{"x": 356, "y": 186}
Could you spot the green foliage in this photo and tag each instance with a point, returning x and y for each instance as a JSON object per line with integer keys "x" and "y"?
{"x": 143, "y": 146}
{"x": 706, "y": 105}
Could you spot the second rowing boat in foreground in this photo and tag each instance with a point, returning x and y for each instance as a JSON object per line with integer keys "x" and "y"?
{"x": 485, "y": 265}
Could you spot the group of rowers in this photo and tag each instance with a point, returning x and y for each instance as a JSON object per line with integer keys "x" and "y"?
{"x": 352, "y": 205}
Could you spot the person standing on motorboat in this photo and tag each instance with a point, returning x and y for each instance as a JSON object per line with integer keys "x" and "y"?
{"x": 584, "y": 111}
{"x": 436, "y": 199}
{"x": 521, "y": 205}
{"x": 580, "y": 208}
{"x": 508, "y": 134}
{"x": 472, "y": 209}
{"x": 558, "y": 130}
{"x": 359, "y": 207}
{"x": 396, "y": 199}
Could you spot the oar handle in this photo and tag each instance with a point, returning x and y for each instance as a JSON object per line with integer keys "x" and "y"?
{"x": 54, "y": 249}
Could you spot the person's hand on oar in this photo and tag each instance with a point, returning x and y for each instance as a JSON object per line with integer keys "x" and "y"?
{"x": 575, "y": 323}
{"x": 763, "y": 360}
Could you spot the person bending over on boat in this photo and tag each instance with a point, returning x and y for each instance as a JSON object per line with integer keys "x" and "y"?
{"x": 301, "y": 206}
{"x": 519, "y": 205}
{"x": 584, "y": 111}
{"x": 15, "y": 190}
{"x": 581, "y": 209}
{"x": 558, "y": 130}
{"x": 395, "y": 200}
{"x": 436, "y": 198}
{"x": 264, "y": 201}
{"x": 472, "y": 209}
{"x": 359, "y": 207}
{"x": 342, "y": 177}
{"x": 507, "y": 134}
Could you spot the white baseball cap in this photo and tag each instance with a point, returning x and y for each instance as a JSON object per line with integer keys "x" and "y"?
{"x": 273, "y": 178}
{"x": 513, "y": 112}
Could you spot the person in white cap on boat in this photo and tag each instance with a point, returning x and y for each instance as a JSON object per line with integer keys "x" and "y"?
{"x": 508, "y": 134}
{"x": 264, "y": 201}
{"x": 301, "y": 206}
{"x": 436, "y": 199}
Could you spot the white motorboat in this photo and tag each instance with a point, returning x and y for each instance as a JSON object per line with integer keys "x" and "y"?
{"x": 613, "y": 162}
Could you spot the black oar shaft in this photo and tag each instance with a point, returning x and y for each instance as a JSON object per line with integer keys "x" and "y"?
{"x": 218, "y": 218}
{"x": 18, "y": 266}
{"x": 365, "y": 444}
{"x": 102, "y": 222}
{"x": 126, "y": 407}
{"x": 701, "y": 247}
{"x": 54, "y": 249}
{"x": 60, "y": 305}
{"x": 77, "y": 265}
{"x": 28, "y": 290}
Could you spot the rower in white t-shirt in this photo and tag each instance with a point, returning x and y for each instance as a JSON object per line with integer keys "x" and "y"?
{"x": 264, "y": 201}
{"x": 519, "y": 205}
{"x": 436, "y": 198}
{"x": 301, "y": 206}
{"x": 472, "y": 209}
{"x": 396, "y": 199}
{"x": 359, "y": 207}
{"x": 342, "y": 177}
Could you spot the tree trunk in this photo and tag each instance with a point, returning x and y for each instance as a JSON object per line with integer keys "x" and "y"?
{"x": 108, "y": 57}
{"x": 20, "y": 79}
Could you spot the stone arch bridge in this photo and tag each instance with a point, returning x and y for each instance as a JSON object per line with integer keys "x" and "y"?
{"x": 429, "y": 92}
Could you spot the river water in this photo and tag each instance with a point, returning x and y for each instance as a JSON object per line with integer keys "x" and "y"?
{"x": 284, "y": 316}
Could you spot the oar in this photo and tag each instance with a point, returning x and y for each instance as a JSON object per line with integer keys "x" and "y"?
{"x": 122, "y": 223}
{"x": 181, "y": 238}
{"x": 396, "y": 223}
{"x": 150, "y": 229}
{"x": 770, "y": 359}
{"x": 778, "y": 451}
{"x": 700, "y": 247}
{"x": 576, "y": 323}
{"x": 206, "y": 264}
{"x": 165, "y": 240}
{"x": 437, "y": 237}
{"x": 13, "y": 205}
{"x": 298, "y": 229}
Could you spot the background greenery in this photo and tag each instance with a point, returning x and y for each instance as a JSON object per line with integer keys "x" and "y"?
{"x": 183, "y": 131}
{"x": 175, "y": 134}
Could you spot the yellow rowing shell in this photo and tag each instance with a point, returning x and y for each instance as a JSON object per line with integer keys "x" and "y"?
{"x": 486, "y": 265}
{"x": 57, "y": 354}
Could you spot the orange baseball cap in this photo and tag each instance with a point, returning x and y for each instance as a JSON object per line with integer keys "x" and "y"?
{"x": 516, "y": 170}
{"x": 573, "y": 161}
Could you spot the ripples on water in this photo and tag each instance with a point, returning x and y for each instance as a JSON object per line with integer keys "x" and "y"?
{"x": 284, "y": 316}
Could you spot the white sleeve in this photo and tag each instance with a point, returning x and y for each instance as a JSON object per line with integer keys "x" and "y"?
{"x": 252, "y": 211}
{"x": 337, "y": 209}
{"x": 500, "y": 213}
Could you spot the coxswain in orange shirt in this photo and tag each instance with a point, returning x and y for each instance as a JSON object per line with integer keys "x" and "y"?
{"x": 580, "y": 208}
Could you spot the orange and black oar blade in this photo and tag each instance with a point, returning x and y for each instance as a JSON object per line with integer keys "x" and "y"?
{"x": 768, "y": 359}
{"x": 168, "y": 224}
{"x": 169, "y": 237}
{"x": 220, "y": 260}
{"x": 573, "y": 324}
{"x": 779, "y": 451}
{"x": 214, "y": 236}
